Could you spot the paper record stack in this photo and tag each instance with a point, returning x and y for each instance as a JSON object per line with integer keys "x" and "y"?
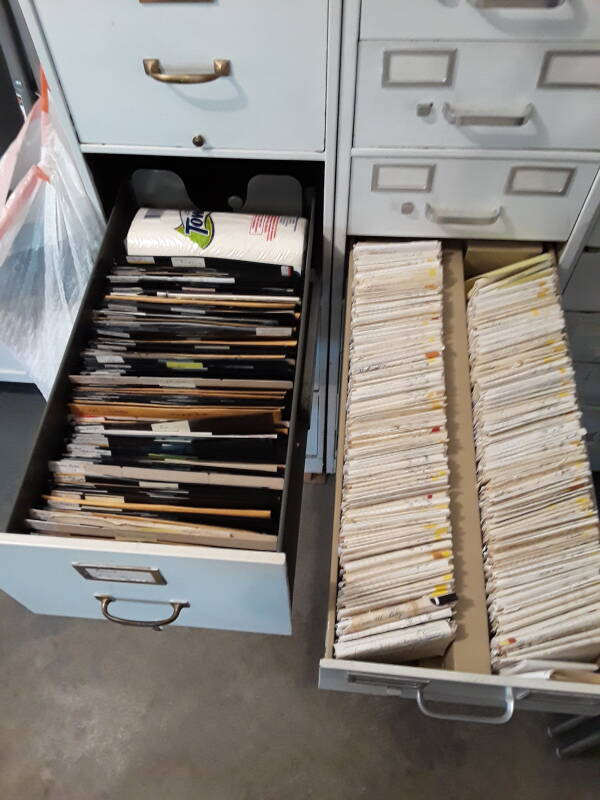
{"x": 538, "y": 510}
{"x": 396, "y": 586}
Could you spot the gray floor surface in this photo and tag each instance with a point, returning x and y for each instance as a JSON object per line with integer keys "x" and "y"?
{"x": 96, "y": 711}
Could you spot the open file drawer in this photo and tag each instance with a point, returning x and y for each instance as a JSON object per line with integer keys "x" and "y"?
{"x": 464, "y": 676}
{"x": 153, "y": 583}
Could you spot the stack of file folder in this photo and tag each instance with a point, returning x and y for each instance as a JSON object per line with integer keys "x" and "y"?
{"x": 395, "y": 597}
{"x": 180, "y": 411}
{"x": 538, "y": 510}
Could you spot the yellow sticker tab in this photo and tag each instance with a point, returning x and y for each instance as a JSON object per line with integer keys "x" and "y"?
{"x": 185, "y": 365}
{"x": 441, "y": 588}
{"x": 441, "y": 553}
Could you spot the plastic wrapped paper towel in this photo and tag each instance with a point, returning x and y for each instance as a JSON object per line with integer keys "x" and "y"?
{"x": 214, "y": 234}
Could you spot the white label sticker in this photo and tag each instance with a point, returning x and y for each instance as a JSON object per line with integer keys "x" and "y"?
{"x": 140, "y": 259}
{"x": 178, "y": 426}
{"x": 178, "y": 383}
{"x": 109, "y": 359}
{"x": 274, "y": 332}
{"x": 72, "y": 467}
{"x": 157, "y": 485}
{"x": 188, "y": 261}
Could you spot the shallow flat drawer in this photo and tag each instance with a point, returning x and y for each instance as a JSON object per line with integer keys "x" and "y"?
{"x": 481, "y": 19}
{"x": 583, "y": 329}
{"x": 590, "y": 417}
{"x": 594, "y": 237}
{"x": 450, "y": 691}
{"x": 149, "y": 583}
{"x": 583, "y": 289}
{"x": 478, "y": 94}
{"x": 273, "y": 97}
{"x": 471, "y": 196}
{"x": 492, "y": 697}
{"x": 587, "y": 378}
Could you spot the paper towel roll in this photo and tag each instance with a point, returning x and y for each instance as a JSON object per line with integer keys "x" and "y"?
{"x": 214, "y": 234}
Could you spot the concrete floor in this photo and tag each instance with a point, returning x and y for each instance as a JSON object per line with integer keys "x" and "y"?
{"x": 95, "y": 711}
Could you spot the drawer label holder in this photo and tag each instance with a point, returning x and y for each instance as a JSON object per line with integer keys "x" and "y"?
{"x": 117, "y": 574}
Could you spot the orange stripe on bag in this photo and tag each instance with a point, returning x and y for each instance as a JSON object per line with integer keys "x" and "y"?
{"x": 43, "y": 90}
{"x": 41, "y": 174}
{"x": 18, "y": 200}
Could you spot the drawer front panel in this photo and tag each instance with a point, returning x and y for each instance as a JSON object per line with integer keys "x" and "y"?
{"x": 583, "y": 290}
{"x": 487, "y": 695}
{"x": 221, "y": 588}
{"x": 594, "y": 238}
{"x": 478, "y": 94}
{"x": 481, "y": 19}
{"x": 229, "y": 590}
{"x": 483, "y": 198}
{"x": 587, "y": 378}
{"x": 272, "y": 99}
{"x": 583, "y": 329}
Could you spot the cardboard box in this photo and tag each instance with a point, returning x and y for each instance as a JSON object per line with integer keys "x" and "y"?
{"x": 482, "y": 256}
{"x": 583, "y": 331}
{"x": 587, "y": 378}
{"x": 582, "y": 292}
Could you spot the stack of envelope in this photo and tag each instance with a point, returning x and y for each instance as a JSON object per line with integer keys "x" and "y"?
{"x": 538, "y": 511}
{"x": 395, "y": 596}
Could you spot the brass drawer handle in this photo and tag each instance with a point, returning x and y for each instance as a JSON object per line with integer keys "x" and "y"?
{"x": 152, "y": 67}
{"x": 157, "y": 625}
{"x": 458, "y": 218}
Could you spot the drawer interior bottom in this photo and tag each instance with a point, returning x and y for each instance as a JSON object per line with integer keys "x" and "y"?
{"x": 469, "y": 653}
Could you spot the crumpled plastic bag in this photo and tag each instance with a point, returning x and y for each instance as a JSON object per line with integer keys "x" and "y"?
{"x": 50, "y": 233}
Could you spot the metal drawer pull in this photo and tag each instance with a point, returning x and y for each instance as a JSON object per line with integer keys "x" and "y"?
{"x": 518, "y": 3}
{"x": 456, "y": 218}
{"x": 499, "y": 719}
{"x": 152, "y": 67}
{"x": 459, "y": 117}
{"x": 157, "y": 625}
